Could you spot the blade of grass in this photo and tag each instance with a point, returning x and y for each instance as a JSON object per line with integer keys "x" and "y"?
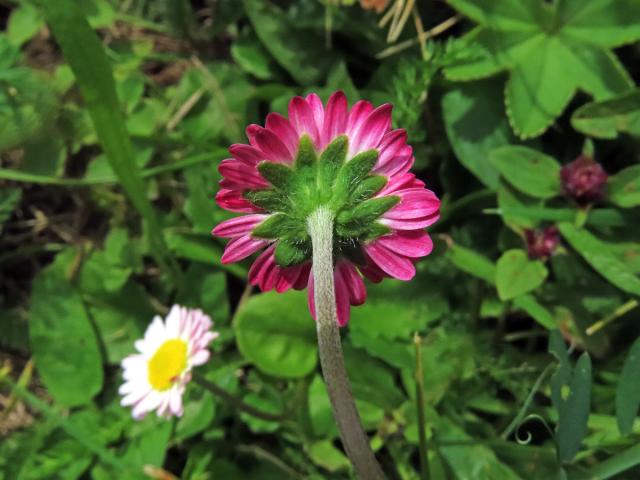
{"x": 88, "y": 61}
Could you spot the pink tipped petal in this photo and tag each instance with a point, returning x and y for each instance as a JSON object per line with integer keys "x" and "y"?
{"x": 400, "y": 182}
{"x": 233, "y": 201}
{"x": 303, "y": 279}
{"x": 273, "y": 149}
{"x": 373, "y": 272}
{"x": 343, "y": 308}
{"x": 358, "y": 114}
{"x": 289, "y": 277}
{"x": 335, "y": 119}
{"x": 256, "y": 272}
{"x": 240, "y": 173}
{"x": 397, "y": 266}
{"x": 414, "y": 203}
{"x": 302, "y": 118}
{"x": 318, "y": 110}
{"x": 372, "y": 130}
{"x": 353, "y": 281}
{"x": 246, "y": 153}
{"x": 413, "y": 243}
{"x": 390, "y": 145}
{"x": 238, "y": 226}
{"x": 240, "y": 248}
{"x": 412, "y": 223}
{"x": 281, "y": 127}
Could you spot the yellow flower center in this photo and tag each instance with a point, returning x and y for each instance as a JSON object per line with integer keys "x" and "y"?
{"x": 167, "y": 363}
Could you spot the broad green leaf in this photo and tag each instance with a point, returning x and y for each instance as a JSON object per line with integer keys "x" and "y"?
{"x": 509, "y": 200}
{"x": 606, "y": 118}
{"x": 528, "y": 170}
{"x": 605, "y": 262}
{"x": 624, "y": 187}
{"x": 276, "y": 333}
{"x": 473, "y": 263}
{"x": 9, "y": 199}
{"x": 628, "y": 391}
{"x": 296, "y": 50}
{"x": 604, "y": 217}
{"x": 88, "y": 60}
{"x": 24, "y": 22}
{"x": 517, "y": 275}
{"x": 475, "y": 125}
{"x": 62, "y": 338}
{"x": 551, "y": 50}
{"x": 253, "y": 58}
{"x": 325, "y": 454}
{"x": 199, "y": 410}
{"x": 205, "y": 289}
{"x": 574, "y": 410}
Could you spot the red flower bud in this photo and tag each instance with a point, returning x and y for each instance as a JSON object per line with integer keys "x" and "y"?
{"x": 583, "y": 180}
{"x": 542, "y": 243}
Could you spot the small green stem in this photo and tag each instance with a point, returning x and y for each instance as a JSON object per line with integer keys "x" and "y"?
{"x": 236, "y": 402}
{"x": 354, "y": 439}
{"x": 424, "y": 452}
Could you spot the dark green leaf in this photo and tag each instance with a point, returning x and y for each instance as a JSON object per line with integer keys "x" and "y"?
{"x": 528, "y": 170}
{"x": 624, "y": 187}
{"x": 517, "y": 275}
{"x": 628, "y": 391}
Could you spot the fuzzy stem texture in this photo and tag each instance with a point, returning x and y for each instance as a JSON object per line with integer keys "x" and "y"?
{"x": 354, "y": 439}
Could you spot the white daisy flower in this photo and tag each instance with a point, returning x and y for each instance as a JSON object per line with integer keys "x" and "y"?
{"x": 155, "y": 378}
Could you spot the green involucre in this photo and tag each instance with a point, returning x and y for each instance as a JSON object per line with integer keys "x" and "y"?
{"x": 322, "y": 179}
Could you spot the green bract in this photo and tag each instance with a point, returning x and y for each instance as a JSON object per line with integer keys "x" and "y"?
{"x": 322, "y": 179}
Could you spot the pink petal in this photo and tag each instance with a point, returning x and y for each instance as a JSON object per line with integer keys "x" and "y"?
{"x": 238, "y": 226}
{"x": 372, "y": 130}
{"x": 273, "y": 149}
{"x": 335, "y": 119}
{"x": 372, "y": 271}
{"x": 358, "y": 114}
{"x": 413, "y": 243}
{"x": 353, "y": 281}
{"x": 343, "y": 309}
{"x": 397, "y": 266}
{"x": 240, "y": 248}
{"x": 414, "y": 203}
{"x": 318, "y": 110}
{"x": 240, "y": 173}
{"x": 400, "y": 182}
{"x": 233, "y": 201}
{"x": 303, "y": 279}
{"x": 246, "y": 153}
{"x": 302, "y": 118}
{"x": 411, "y": 224}
{"x": 311, "y": 296}
{"x": 281, "y": 127}
{"x": 288, "y": 277}
{"x": 257, "y": 270}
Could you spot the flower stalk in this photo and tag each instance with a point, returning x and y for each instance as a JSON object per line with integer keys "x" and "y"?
{"x": 354, "y": 439}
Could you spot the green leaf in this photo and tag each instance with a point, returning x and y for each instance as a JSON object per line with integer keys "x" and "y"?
{"x": 473, "y": 263}
{"x": 628, "y": 391}
{"x": 325, "y": 454}
{"x": 297, "y": 51}
{"x": 24, "y": 22}
{"x": 62, "y": 338}
{"x": 276, "y": 333}
{"x": 289, "y": 253}
{"x": 475, "y": 125}
{"x": 88, "y": 60}
{"x": 517, "y": 275}
{"x": 551, "y": 50}
{"x": 199, "y": 410}
{"x": 624, "y": 187}
{"x": 537, "y": 311}
{"x": 573, "y": 413}
{"x": 601, "y": 258}
{"x": 528, "y": 170}
{"x": 606, "y": 118}
{"x": 253, "y": 58}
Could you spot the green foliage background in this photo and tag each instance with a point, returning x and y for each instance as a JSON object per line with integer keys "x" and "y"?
{"x": 113, "y": 118}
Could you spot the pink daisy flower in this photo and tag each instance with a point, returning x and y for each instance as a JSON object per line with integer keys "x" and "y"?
{"x": 348, "y": 160}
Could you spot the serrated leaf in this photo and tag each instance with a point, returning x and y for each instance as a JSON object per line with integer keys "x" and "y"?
{"x": 517, "y": 275}
{"x": 551, "y": 50}
{"x": 604, "y": 119}
{"x": 628, "y": 391}
{"x": 623, "y": 188}
{"x": 601, "y": 258}
{"x": 528, "y": 170}
{"x": 276, "y": 333}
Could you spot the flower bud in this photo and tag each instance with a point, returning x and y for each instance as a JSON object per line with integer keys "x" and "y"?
{"x": 542, "y": 243}
{"x": 583, "y": 180}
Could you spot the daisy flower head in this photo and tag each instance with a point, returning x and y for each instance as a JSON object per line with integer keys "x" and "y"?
{"x": 347, "y": 160}
{"x": 156, "y": 376}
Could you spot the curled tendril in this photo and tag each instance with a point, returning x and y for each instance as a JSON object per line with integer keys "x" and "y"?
{"x": 526, "y": 440}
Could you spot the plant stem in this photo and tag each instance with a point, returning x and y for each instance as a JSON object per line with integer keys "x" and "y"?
{"x": 354, "y": 439}
{"x": 236, "y": 402}
{"x": 424, "y": 455}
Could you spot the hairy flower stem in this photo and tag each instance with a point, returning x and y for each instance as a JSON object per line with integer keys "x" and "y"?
{"x": 354, "y": 439}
